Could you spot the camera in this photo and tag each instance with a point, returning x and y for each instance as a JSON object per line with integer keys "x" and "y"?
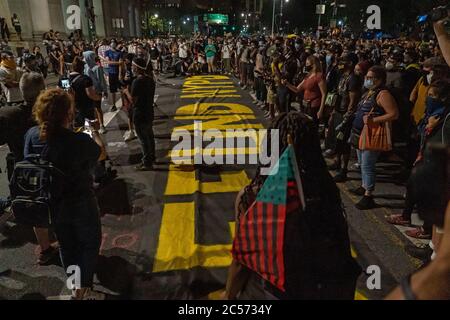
{"x": 65, "y": 84}
{"x": 430, "y": 185}
{"x": 435, "y": 15}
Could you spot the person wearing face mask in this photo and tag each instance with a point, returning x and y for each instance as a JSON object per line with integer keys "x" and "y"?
{"x": 381, "y": 105}
{"x": 394, "y": 71}
{"x": 349, "y": 91}
{"x": 433, "y": 69}
{"x": 433, "y": 128}
{"x": 314, "y": 87}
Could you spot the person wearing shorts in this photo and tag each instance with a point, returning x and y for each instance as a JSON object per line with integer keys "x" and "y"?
{"x": 114, "y": 58}
{"x": 210, "y": 52}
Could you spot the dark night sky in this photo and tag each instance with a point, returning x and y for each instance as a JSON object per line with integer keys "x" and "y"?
{"x": 302, "y": 12}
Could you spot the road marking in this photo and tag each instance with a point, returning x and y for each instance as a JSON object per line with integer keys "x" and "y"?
{"x": 109, "y": 116}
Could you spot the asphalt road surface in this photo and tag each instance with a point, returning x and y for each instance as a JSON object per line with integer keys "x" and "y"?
{"x": 167, "y": 233}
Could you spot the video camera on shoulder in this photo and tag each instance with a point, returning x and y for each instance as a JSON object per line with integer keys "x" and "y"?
{"x": 438, "y": 13}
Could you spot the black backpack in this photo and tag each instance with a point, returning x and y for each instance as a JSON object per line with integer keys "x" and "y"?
{"x": 36, "y": 185}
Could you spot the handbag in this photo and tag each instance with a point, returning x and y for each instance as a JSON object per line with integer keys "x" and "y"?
{"x": 376, "y": 137}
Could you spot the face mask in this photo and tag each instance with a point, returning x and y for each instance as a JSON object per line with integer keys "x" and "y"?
{"x": 433, "y": 105}
{"x": 308, "y": 68}
{"x": 389, "y": 66}
{"x": 297, "y": 46}
{"x": 429, "y": 77}
{"x": 368, "y": 83}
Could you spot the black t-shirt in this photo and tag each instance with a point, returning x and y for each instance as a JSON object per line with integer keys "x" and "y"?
{"x": 79, "y": 84}
{"x": 143, "y": 93}
{"x": 349, "y": 83}
{"x": 154, "y": 53}
{"x": 14, "y": 124}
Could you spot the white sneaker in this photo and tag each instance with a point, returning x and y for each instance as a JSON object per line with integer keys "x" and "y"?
{"x": 131, "y": 136}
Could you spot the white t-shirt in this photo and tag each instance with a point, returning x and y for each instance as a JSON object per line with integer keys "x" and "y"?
{"x": 226, "y": 51}
{"x": 182, "y": 51}
{"x": 12, "y": 94}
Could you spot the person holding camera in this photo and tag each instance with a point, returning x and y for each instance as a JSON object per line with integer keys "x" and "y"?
{"x": 84, "y": 92}
{"x": 75, "y": 215}
{"x": 442, "y": 36}
{"x": 314, "y": 88}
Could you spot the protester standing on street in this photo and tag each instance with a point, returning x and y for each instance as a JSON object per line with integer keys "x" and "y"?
{"x": 114, "y": 60}
{"x": 9, "y": 78}
{"x": 210, "y": 51}
{"x": 143, "y": 97}
{"x": 75, "y": 214}
{"x": 14, "y": 123}
{"x": 95, "y": 72}
{"x": 4, "y": 30}
{"x": 16, "y": 24}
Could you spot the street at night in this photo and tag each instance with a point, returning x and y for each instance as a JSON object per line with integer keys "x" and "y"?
{"x": 224, "y": 150}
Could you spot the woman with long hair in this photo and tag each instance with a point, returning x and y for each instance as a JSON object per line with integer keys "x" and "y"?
{"x": 75, "y": 215}
{"x": 318, "y": 262}
{"x": 314, "y": 87}
{"x": 377, "y": 106}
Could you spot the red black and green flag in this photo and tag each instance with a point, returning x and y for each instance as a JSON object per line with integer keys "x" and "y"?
{"x": 259, "y": 239}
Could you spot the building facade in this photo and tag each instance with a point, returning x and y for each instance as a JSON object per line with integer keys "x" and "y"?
{"x": 107, "y": 18}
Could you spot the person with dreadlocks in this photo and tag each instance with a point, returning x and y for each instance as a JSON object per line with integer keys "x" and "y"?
{"x": 318, "y": 262}
{"x": 142, "y": 98}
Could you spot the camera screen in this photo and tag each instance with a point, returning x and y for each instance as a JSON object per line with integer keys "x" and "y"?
{"x": 65, "y": 84}
{"x": 422, "y": 19}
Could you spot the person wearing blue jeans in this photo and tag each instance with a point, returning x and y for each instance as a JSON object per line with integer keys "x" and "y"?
{"x": 377, "y": 106}
{"x": 368, "y": 160}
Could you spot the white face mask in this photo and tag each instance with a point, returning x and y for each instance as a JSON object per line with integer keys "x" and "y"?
{"x": 430, "y": 77}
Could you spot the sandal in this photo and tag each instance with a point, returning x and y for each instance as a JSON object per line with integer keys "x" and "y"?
{"x": 418, "y": 233}
{"x": 398, "y": 220}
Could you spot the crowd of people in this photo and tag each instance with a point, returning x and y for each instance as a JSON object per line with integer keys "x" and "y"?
{"x": 339, "y": 88}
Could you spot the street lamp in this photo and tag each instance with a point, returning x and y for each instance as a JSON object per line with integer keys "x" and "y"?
{"x": 156, "y": 16}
